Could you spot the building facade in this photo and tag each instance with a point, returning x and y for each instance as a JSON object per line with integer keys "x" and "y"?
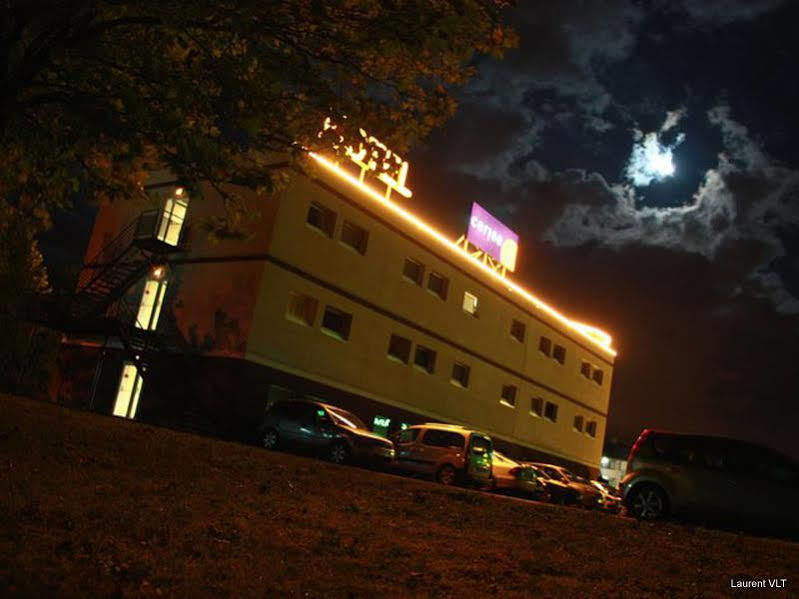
{"x": 342, "y": 295}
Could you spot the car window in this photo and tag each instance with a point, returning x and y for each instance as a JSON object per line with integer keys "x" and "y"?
{"x": 408, "y": 435}
{"x": 480, "y": 444}
{"x": 554, "y": 474}
{"x": 346, "y": 418}
{"x": 279, "y": 409}
{"x": 436, "y": 438}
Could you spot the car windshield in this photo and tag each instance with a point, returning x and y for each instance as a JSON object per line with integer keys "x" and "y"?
{"x": 501, "y": 458}
{"x": 346, "y": 418}
{"x": 556, "y": 474}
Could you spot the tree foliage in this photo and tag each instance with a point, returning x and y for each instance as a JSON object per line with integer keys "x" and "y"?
{"x": 98, "y": 92}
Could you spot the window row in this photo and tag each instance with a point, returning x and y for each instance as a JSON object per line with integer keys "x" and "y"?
{"x": 591, "y": 372}
{"x": 355, "y": 237}
{"x": 323, "y": 219}
{"x": 302, "y": 309}
{"x": 437, "y": 284}
{"x": 424, "y": 359}
{"x": 581, "y": 426}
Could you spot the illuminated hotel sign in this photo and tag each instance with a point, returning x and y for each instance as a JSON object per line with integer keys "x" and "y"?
{"x": 370, "y": 155}
{"x": 494, "y": 238}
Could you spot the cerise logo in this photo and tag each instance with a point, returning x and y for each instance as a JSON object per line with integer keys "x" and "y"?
{"x": 493, "y": 237}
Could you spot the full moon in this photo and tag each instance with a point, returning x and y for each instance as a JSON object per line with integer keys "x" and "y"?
{"x": 650, "y": 160}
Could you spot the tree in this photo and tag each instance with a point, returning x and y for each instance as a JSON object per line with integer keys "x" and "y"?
{"x": 98, "y": 92}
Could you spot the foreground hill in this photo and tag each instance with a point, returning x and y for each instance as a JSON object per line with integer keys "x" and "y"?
{"x": 96, "y": 506}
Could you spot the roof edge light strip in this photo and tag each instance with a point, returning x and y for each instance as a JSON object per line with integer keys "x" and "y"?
{"x": 596, "y": 336}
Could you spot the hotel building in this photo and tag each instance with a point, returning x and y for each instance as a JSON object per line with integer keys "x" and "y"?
{"x": 340, "y": 294}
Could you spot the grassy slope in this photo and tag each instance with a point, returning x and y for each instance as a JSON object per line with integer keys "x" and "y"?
{"x": 96, "y": 506}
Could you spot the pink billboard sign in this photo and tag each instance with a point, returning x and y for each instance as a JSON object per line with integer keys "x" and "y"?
{"x": 491, "y": 236}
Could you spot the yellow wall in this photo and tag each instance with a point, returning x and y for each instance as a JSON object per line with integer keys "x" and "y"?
{"x": 361, "y": 363}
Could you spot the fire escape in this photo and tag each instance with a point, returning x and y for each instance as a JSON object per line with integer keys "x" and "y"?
{"x": 99, "y": 307}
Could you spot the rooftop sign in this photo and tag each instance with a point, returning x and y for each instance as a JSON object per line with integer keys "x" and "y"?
{"x": 370, "y": 155}
{"x": 494, "y": 238}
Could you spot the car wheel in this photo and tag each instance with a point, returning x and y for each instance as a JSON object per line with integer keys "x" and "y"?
{"x": 339, "y": 453}
{"x": 647, "y": 502}
{"x": 446, "y": 475}
{"x": 270, "y": 439}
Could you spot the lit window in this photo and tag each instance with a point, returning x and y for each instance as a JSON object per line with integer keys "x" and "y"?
{"x": 150, "y": 305}
{"x": 578, "y": 423}
{"x": 354, "y": 236}
{"x": 413, "y": 271}
{"x": 470, "y": 303}
{"x": 336, "y": 323}
{"x": 172, "y": 218}
{"x": 590, "y": 428}
{"x": 128, "y": 392}
{"x": 321, "y": 218}
{"x": 559, "y": 353}
{"x": 509, "y": 394}
{"x": 425, "y": 359}
{"x": 399, "y": 349}
{"x": 537, "y": 406}
{"x": 598, "y": 376}
{"x": 545, "y": 346}
{"x": 517, "y": 330}
{"x": 301, "y": 309}
{"x": 551, "y": 411}
{"x": 438, "y": 284}
{"x": 460, "y": 374}
{"x": 585, "y": 370}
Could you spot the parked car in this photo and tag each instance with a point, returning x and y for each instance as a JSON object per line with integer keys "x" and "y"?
{"x": 516, "y": 478}
{"x": 558, "y": 491}
{"x": 672, "y": 473}
{"x": 450, "y": 453}
{"x": 322, "y": 428}
{"x": 610, "y": 500}
{"x": 585, "y": 494}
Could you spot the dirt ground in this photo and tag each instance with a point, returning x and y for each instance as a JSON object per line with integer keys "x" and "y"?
{"x": 94, "y": 506}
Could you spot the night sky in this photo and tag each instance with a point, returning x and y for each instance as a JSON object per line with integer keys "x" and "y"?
{"x": 695, "y": 274}
{"x": 569, "y": 140}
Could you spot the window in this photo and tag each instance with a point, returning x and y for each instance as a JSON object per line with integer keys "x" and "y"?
{"x": 598, "y": 376}
{"x": 517, "y": 330}
{"x": 585, "y": 369}
{"x": 470, "y": 303}
{"x": 551, "y": 411}
{"x": 301, "y": 309}
{"x": 425, "y": 359}
{"x": 559, "y": 353}
{"x": 545, "y": 346}
{"x": 172, "y": 218}
{"x": 436, "y": 438}
{"x": 336, "y": 323}
{"x": 509, "y": 395}
{"x": 354, "y": 236}
{"x": 321, "y": 218}
{"x": 590, "y": 428}
{"x": 130, "y": 384}
{"x": 578, "y": 423}
{"x": 438, "y": 284}
{"x": 150, "y": 305}
{"x": 537, "y": 406}
{"x": 277, "y": 393}
{"x": 413, "y": 271}
{"x": 399, "y": 349}
{"x": 409, "y": 435}
{"x": 460, "y": 374}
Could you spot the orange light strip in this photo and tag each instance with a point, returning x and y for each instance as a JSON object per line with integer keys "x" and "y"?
{"x": 596, "y": 336}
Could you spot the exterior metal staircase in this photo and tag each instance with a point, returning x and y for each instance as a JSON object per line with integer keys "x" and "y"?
{"x": 107, "y": 276}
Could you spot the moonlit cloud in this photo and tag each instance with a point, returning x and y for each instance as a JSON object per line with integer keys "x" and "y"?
{"x": 736, "y": 201}
{"x": 651, "y": 160}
